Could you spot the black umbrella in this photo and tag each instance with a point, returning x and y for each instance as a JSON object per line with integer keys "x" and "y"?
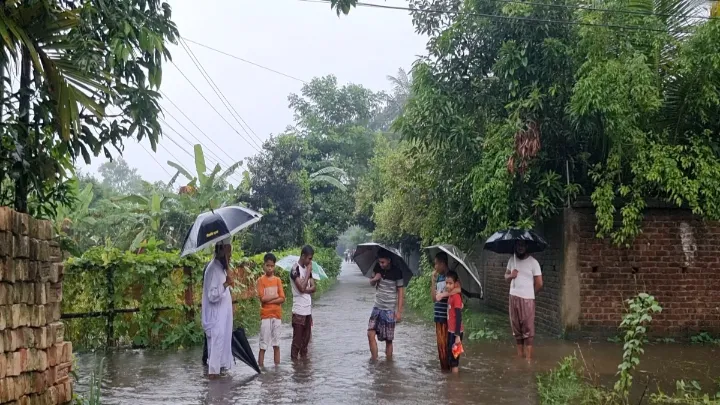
{"x": 366, "y": 255}
{"x": 504, "y": 241}
{"x": 240, "y": 349}
{"x": 212, "y": 227}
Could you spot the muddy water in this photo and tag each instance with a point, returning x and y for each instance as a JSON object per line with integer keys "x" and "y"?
{"x": 339, "y": 370}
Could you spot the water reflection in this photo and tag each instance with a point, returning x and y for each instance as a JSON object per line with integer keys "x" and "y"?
{"x": 339, "y": 370}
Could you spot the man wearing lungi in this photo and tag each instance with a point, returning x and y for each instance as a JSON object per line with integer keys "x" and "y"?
{"x": 523, "y": 272}
{"x": 388, "y": 307}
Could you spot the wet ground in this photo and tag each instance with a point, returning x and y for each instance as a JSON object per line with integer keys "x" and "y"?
{"x": 339, "y": 370}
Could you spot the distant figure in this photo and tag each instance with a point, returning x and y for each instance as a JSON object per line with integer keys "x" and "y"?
{"x": 271, "y": 294}
{"x": 455, "y": 325}
{"x": 523, "y": 272}
{"x": 388, "y": 306}
{"x": 303, "y": 286}
{"x": 440, "y": 297}
{"x": 217, "y": 311}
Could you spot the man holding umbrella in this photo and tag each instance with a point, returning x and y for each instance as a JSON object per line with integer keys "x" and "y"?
{"x": 523, "y": 272}
{"x": 389, "y": 297}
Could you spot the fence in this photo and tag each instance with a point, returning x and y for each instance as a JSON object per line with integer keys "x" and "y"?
{"x": 133, "y": 297}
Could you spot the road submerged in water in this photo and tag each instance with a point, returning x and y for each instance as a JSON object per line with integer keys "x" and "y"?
{"x": 339, "y": 370}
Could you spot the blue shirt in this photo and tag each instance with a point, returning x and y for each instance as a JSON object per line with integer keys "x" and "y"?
{"x": 442, "y": 305}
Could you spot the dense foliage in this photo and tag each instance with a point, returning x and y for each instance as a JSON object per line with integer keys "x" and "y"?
{"x": 76, "y": 78}
{"x": 155, "y": 279}
{"x": 514, "y": 117}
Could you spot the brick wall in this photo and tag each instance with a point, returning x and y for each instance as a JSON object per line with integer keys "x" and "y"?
{"x": 587, "y": 280}
{"x": 492, "y": 268}
{"x": 675, "y": 259}
{"x": 35, "y": 360}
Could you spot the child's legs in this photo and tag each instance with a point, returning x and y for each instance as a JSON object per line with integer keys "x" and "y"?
{"x": 275, "y": 340}
{"x": 265, "y": 339}
{"x": 388, "y": 349}
{"x": 453, "y": 362}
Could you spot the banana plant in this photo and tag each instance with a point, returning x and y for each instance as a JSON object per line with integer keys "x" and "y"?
{"x": 331, "y": 175}
{"x": 147, "y": 214}
{"x": 208, "y": 189}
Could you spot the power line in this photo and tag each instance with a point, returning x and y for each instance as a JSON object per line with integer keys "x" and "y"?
{"x": 244, "y": 60}
{"x": 212, "y": 106}
{"x": 152, "y": 155}
{"x": 165, "y": 96}
{"x": 219, "y": 92}
{"x": 210, "y": 151}
{"x": 188, "y": 142}
{"x": 499, "y": 17}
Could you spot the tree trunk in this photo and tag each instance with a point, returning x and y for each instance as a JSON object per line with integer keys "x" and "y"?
{"x": 21, "y": 184}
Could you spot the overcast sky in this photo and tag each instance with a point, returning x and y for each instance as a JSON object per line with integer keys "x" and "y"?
{"x": 298, "y": 38}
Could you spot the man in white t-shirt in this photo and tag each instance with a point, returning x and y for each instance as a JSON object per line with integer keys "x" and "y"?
{"x": 303, "y": 286}
{"x": 523, "y": 272}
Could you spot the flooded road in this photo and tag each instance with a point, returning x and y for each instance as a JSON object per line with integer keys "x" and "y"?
{"x": 339, "y": 370}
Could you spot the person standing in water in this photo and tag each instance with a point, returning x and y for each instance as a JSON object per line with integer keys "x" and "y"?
{"x": 303, "y": 286}
{"x": 440, "y": 298}
{"x": 271, "y": 294}
{"x": 388, "y": 307}
{"x": 217, "y": 311}
{"x": 525, "y": 277}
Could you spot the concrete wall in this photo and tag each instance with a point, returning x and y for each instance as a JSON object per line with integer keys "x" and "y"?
{"x": 35, "y": 360}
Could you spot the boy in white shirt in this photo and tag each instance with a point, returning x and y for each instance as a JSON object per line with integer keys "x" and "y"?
{"x": 523, "y": 272}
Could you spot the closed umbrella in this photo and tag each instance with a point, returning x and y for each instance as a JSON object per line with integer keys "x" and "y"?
{"x": 366, "y": 255}
{"x": 240, "y": 349}
{"x": 214, "y": 226}
{"x": 318, "y": 273}
{"x": 466, "y": 270}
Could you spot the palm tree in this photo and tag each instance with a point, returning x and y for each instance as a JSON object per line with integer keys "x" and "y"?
{"x": 35, "y": 38}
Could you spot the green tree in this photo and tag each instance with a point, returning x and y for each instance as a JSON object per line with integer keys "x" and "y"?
{"x": 119, "y": 177}
{"x": 77, "y": 61}
{"x": 521, "y": 123}
{"x": 279, "y": 188}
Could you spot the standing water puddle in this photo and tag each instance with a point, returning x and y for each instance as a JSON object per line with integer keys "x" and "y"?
{"x": 339, "y": 370}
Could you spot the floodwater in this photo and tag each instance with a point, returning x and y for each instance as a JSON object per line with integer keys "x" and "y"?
{"x": 339, "y": 370}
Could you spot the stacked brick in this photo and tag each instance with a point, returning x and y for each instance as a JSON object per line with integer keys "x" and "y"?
{"x": 35, "y": 360}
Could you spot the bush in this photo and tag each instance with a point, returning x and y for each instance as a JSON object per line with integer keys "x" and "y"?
{"x": 155, "y": 279}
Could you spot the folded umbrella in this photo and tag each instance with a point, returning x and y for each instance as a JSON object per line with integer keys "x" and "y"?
{"x": 241, "y": 349}
{"x": 212, "y": 227}
{"x": 318, "y": 273}
{"x": 458, "y": 262}
{"x": 366, "y": 255}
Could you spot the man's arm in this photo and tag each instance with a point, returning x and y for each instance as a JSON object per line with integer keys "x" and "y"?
{"x": 433, "y": 286}
{"x": 400, "y": 302}
{"x": 310, "y": 286}
{"x": 509, "y": 273}
{"x": 538, "y": 283}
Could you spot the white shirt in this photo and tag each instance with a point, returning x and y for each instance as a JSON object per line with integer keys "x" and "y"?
{"x": 302, "y": 302}
{"x": 523, "y": 285}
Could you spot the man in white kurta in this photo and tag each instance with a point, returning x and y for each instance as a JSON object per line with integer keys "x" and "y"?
{"x": 217, "y": 316}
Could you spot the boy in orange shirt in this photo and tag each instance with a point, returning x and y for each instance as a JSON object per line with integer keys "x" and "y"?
{"x": 270, "y": 291}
